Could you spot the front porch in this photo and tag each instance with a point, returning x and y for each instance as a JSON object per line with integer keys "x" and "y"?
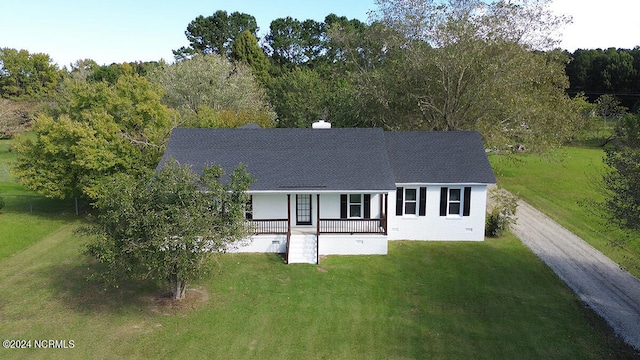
{"x": 324, "y": 226}
{"x": 301, "y": 231}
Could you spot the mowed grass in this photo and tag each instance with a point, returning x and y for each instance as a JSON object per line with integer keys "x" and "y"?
{"x": 18, "y": 231}
{"x": 26, "y": 217}
{"x": 490, "y": 300}
{"x": 562, "y": 185}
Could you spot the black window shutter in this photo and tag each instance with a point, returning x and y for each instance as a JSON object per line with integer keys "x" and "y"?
{"x": 399, "y": 200}
{"x": 343, "y": 206}
{"x": 367, "y": 206}
{"x": 423, "y": 201}
{"x": 467, "y": 201}
{"x": 443, "y": 200}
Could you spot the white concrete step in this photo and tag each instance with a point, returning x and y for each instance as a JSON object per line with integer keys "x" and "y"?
{"x": 303, "y": 249}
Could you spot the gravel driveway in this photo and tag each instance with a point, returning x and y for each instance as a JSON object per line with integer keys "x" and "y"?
{"x": 612, "y": 292}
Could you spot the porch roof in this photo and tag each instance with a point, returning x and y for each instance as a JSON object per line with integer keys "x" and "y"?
{"x": 290, "y": 159}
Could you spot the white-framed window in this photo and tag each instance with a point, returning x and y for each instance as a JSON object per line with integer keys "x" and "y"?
{"x": 355, "y": 205}
{"x": 411, "y": 201}
{"x": 455, "y": 201}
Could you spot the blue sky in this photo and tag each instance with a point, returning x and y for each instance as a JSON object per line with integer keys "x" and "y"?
{"x": 147, "y": 30}
{"x": 132, "y": 30}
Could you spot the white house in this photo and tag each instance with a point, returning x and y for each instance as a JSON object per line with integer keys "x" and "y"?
{"x": 348, "y": 191}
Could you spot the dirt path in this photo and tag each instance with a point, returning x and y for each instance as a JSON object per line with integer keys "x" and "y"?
{"x": 612, "y": 292}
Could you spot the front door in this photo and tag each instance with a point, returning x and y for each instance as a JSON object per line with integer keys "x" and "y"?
{"x": 303, "y": 209}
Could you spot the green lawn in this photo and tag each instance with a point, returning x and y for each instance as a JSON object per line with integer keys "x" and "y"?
{"x": 559, "y": 186}
{"x": 26, "y": 217}
{"x": 18, "y": 231}
{"x": 490, "y": 300}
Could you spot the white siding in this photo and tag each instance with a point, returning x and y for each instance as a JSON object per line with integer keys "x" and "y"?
{"x": 436, "y": 227}
{"x": 356, "y": 244}
{"x": 261, "y": 244}
{"x": 375, "y": 205}
{"x": 330, "y": 244}
{"x": 271, "y": 206}
{"x": 329, "y": 206}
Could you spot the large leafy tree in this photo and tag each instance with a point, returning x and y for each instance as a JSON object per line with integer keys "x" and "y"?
{"x": 299, "y": 97}
{"x": 375, "y": 68}
{"x": 83, "y": 69}
{"x": 334, "y": 24}
{"x": 622, "y": 179}
{"x": 465, "y": 65}
{"x": 168, "y": 225}
{"x": 619, "y": 73}
{"x": 101, "y": 130}
{"x": 22, "y": 73}
{"x": 214, "y": 34}
{"x": 111, "y": 73}
{"x": 211, "y": 91}
{"x": 608, "y": 107}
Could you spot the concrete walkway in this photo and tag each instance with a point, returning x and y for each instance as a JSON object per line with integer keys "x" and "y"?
{"x": 612, "y": 292}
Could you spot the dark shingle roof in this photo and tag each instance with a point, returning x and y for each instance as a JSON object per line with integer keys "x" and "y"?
{"x": 290, "y": 159}
{"x": 336, "y": 159}
{"x": 438, "y": 157}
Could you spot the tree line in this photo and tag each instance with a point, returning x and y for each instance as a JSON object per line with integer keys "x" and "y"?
{"x": 357, "y": 74}
{"x": 612, "y": 71}
{"x": 375, "y": 74}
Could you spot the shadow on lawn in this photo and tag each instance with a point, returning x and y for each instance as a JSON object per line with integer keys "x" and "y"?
{"x": 40, "y": 205}
{"x": 86, "y": 295}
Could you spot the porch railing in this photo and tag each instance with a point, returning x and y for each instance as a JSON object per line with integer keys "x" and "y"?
{"x": 268, "y": 226}
{"x": 326, "y": 226}
{"x": 353, "y": 226}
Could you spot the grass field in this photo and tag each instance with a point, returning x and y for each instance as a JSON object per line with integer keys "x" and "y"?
{"x": 26, "y": 218}
{"x": 424, "y": 300}
{"x": 560, "y": 186}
